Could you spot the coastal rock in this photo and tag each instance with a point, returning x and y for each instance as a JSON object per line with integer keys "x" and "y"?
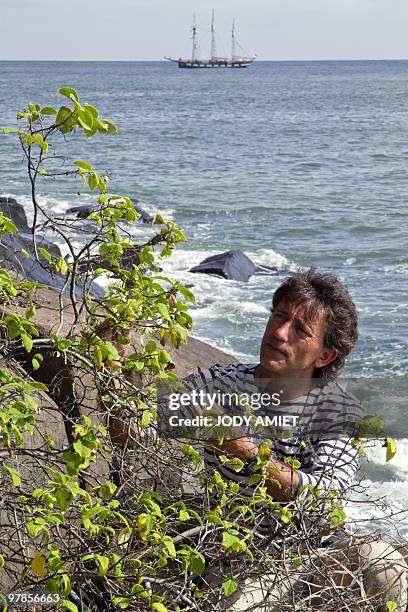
{"x": 14, "y": 211}
{"x": 233, "y": 265}
{"x": 12, "y": 247}
{"x": 82, "y": 212}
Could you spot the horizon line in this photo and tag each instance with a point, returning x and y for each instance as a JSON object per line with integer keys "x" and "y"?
{"x": 160, "y": 61}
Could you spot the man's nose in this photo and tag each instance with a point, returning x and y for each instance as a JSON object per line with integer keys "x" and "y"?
{"x": 281, "y": 331}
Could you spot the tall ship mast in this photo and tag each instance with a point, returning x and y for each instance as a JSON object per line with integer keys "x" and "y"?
{"x": 235, "y": 61}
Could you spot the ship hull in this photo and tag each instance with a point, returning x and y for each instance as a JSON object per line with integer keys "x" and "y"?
{"x": 213, "y": 64}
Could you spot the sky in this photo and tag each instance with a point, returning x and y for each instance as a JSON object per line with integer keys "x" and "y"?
{"x": 151, "y": 29}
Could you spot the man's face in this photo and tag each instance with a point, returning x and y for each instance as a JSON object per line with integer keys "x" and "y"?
{"x": 292, "y": 345}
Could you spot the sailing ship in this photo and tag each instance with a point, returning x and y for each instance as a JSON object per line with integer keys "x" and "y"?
{"x": 236, "y": 60}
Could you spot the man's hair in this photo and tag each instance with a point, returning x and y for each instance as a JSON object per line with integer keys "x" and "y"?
{"x": 323, "y": 294}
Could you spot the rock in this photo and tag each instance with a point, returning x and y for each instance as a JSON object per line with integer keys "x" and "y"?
{"x": 233, "y": 265}
{"x": 82, "y": 212}
{"x": 197, "y": 354}
{"x": 28, "y": 268}
{"x": 14, "y": 211}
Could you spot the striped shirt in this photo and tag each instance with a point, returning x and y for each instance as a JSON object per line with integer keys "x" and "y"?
{"x": 327, "y": 457}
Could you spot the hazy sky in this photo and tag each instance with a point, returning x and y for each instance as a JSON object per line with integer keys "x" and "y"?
{"x": 150, "y": 29}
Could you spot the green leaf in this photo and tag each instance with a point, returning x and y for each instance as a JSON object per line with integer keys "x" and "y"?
{"x": 190, "y": 451}
{"x": 10, "y": 130}
{"x": 286, "y": 516}
{"x": 68, "y": 92}
{"x": 164, "y": 357}
{"x": 187, "y": 294}
{"x": 48, "y": 110}
{"x": 36, "y": 361}
{"x": 391, "y": 448}
{"x": 103, "y": 563}
{"x": 196, "y": 562}
{"x": 108, "y": 489}
{"x": 93, "y": 181}
{"x": 228, "y": 540}
{"x": 108, "y": 127}
{"x": 27, "y": 342}
{"x": 44, "y": 253}
{"x": 121, "y": 602}
{"x": 146, "y": 418}
{"x": 91, "y": 109}
{"x": 65, "y": 117}
{"x": 168, "y": 543}
{"x": 109, "y": 351}
{"x": 159, "y": 607}
{"x": 15, "y": 476}
{"x": 2, "y": 561}
{"x": 183, "y": 515}
{"x": 124, "y": 536}
{"x": 83, "y": 165}
{"x": 229, "y": 586}
{"x": 68, "y": 605}
{"x": 254, "y": 479}
{"x": 85, "y": 119}
{"x": 391, "y": 606}
{"x": 338, "y": 516}
{"x": 30, "y": 312}
{"x": 62, "y": 265}
{"x": 164, "y": 311}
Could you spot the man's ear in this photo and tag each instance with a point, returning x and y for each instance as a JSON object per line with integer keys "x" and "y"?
{"x": 326, "y": 356}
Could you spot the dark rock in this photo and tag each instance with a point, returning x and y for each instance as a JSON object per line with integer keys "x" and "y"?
{"x": 14, "y": 211}
{"x": 82, "y": 212}
{"x": 28, "y": 268}
{"x": 233, "y": 265}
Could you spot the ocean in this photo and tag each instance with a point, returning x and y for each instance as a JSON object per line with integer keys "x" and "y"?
{"x": 294, "y": 163}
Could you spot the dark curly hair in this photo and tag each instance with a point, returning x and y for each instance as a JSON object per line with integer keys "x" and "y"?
{"x": 323, "y": 294}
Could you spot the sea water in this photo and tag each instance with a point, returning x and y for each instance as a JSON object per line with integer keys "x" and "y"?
{"x": 294, "y": 163}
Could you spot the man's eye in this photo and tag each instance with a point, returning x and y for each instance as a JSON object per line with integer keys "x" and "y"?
{"x": 301, "y": 330}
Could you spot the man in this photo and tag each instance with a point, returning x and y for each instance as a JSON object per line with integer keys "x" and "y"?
{"x": 311, "y": 331}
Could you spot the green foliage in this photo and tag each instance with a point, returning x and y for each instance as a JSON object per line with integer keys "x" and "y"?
{"x": 229, "y": 586}
{"x": 338, "y": 516}
{"x": 112, "y": 538}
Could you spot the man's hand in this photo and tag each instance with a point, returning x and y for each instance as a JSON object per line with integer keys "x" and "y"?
{"x": 283, "y": 482}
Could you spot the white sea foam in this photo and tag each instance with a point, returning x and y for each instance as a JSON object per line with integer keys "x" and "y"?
{"x": 401, "y": 268}
{"x": 399, "y": 463}
{"x": 374, "y": 508}
{"x": 269, "y": 257}
{"x": 375, "y": 500}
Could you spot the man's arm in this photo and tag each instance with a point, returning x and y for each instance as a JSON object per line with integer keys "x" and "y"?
{"x": 244, "y": 449}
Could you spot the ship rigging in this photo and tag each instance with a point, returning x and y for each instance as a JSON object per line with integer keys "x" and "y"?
{"x": 235, "y": 61}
